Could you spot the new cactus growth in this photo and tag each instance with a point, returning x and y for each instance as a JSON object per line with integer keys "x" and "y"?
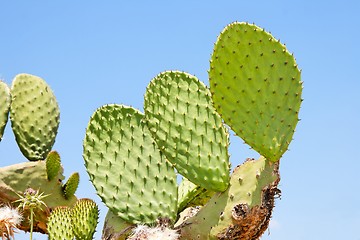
{"x": 71, "y": 185}
{"x": 34, "y": 115}
{"x": 85, "y": 214}
{"x": 5, "y": 100}
{"x": 255, "y": 85}
{"x": 53, "y": 165}
{"x": 60, "y": 224}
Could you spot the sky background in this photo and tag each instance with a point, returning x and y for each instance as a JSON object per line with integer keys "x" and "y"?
{"x": 93, "y": 53}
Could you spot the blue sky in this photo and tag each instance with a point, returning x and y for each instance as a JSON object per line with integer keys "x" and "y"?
{"x": 93, "y": 53}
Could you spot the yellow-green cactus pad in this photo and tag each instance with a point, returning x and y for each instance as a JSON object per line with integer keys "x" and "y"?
{"x": 256, "y": 87}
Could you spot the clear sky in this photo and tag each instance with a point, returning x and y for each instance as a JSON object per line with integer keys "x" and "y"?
{"x": 93, "y": 53}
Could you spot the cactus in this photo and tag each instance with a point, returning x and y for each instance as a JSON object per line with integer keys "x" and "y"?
{"x": 243, "y": 211}
{"x": 85, "y": 214}
{"x": 60, "y": 224}
{"x": 126, "y": 167}
{"x": 190, "y": 194}
{"x": 5, "y": 100}
{"x": 53, "y": 165}
{"x": 15, "y": 179}
{"x": 34, "y": 115}
{"x": 69, "y": 188}
{"x": 255, "y": 85}
{"x": 187, "y": 128}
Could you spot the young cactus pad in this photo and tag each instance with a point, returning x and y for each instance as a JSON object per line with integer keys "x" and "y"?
{"x": 4, "y": 106}
{"x": 185, "y": 125}
{"x": 60, "y": 224}
{"x": 85, "y": 215}
{"x": 256, "y": 87}
{"x": 34, "y": 116}
{"x": 126, "y": 167}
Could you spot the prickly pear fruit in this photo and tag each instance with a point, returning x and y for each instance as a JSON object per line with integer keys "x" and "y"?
{"x": 34, "y": 116}
{"x": 256, "y": 87}
{"x": 116, "y": 228}
{"x": 71, "y": 185}
{"x": 188, "y": 130}
{"x": 5, "y": 100}
{"x": 126, "y": 167}
{"x": 85, "y": 214}
{"x": 60, "y": 224}
{"x": 243, "y": 211}
{"x": 53, "y": 164}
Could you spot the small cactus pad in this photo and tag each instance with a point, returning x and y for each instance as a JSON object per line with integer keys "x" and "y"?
{"x": 85, "y": 214}
{"x": 71, "y": 185}
{"x": 34, "y": 116}
{"x": 255, "y": 85}
{"x": 243, "y": 211}
{"x": 5, "y": 100}
{"x": 60, "y": 224}
{"x": 188, "y": 130}
{"x": 126, "y": 167}
{"x": 53, "y": 164}
{"x": 190, "y": 195}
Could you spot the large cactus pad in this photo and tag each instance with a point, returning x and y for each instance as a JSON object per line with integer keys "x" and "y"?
{"x": 34, "y": 116}
{"x": 126, "y": 167}
{"x": 187, "y": 128}
{"x": 256, "y": 87}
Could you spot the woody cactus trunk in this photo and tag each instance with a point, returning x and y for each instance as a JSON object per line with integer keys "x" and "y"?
{"x": 132, "y": 158}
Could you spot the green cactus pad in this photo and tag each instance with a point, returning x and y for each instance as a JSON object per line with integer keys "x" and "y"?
{"x": 185, "y": 125}
{"x": 116, "y": 228}
{"x": 256, "y": 87}
{"x": 60, "y": 225}
{"x": 126, "y": 167}
{"x": 85, "y": 214}
{"x": 34, "y": 116}
{"x": 53, "y": 164}
{"x": 71, "y": 185}
{"x": 242, "y": 211}
{"x": 5, "y": 100}
{"x": 190, "y": 195}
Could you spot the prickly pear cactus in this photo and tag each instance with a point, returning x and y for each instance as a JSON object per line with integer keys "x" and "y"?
{"x": 185, "y": 125}
{"x": 126, "y": 167}
{"x": 256, "y": 87}
{"x": 243, "y": 211}
{"x": 85, "y": 214}
{"x": 5, "y": 100}
{"x": 60, "y": 224}
{"x": 53, "y": 165}
{"x": 69, "y": 188}
{"x": 15, "y": 179}
{"x": 190, "y": 194}
{"x": 34, "y": 116}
